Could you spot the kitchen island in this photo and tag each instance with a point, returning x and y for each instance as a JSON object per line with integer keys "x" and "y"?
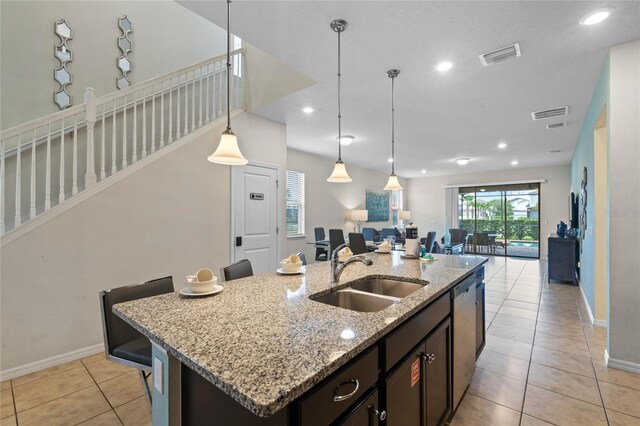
{"x": 259, "y": 351}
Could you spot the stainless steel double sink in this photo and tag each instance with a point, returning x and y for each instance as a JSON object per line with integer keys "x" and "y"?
{"x": 369, "y": 295}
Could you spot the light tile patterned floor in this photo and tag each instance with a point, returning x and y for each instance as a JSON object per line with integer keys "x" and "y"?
{"x": 90, "y": 391}
{"x": 543, "y": 362}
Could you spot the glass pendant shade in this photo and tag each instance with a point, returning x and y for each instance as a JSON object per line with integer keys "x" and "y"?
{"x": 392, "y": 183}
{"x": 228, "y": 151}
{"x": 339, "y": 174}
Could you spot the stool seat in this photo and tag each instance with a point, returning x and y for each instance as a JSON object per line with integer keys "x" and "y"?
{"x": 138, "y": 350}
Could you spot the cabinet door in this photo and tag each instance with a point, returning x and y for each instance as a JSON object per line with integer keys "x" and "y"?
{"x": 437, "y": 377}
{"x": 403, "y": 392}
{"x": 368, "y": 413}
{"x": 480, "y": 319}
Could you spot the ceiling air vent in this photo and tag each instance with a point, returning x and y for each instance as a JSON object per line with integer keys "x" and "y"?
{"x": 555, "y": 151}
{"x": 499, "y": 55}
{"x": 539, "y": 115}
{"x": 557, "y": 125}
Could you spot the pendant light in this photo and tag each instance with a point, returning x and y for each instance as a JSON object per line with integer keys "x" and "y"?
{"x": 228, "y": 151}
{"x": 339, "y": 174}
{"x": 393, "y": 179}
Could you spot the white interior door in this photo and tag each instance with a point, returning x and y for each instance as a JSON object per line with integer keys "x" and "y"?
{"x": 255, "y": 221}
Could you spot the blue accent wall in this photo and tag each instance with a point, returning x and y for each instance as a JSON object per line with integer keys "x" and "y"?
{"x": 584, "y": 157}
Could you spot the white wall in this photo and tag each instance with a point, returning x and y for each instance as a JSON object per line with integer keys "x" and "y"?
{"x": 169, "y": 218}
{"x": 427, "y": 197}
{"x": 328, "y": 204}
{"x": 624, "y": 206}
{"x": 166, "y": 37}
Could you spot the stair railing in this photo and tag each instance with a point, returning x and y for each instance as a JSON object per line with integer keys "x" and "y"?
{"x": 41, "y": 158}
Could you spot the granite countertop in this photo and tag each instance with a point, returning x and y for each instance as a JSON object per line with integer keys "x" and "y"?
{"x": 264, "y": 343}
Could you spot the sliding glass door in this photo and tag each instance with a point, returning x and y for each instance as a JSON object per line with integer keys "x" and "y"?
{"x": 501, "y": 220}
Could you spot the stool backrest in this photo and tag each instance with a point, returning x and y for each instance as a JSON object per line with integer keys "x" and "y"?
{"x": 240, "y": 269}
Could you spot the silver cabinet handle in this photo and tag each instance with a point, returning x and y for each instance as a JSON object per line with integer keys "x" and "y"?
{"x": 373, "y": 413}
{"x": 477, "y": 302}
{"x": 429, "y": 357}
{"x": 338, "y": 398}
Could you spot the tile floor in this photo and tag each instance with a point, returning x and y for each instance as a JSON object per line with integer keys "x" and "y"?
{"x": 91, "y": 391}
{"x": 543, "y": 364}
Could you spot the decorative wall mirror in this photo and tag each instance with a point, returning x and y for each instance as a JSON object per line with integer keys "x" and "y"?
{"x": 125, "y": 45}
{"x": 63, "y": 54}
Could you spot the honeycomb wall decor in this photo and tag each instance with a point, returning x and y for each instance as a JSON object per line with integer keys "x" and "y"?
{"x": 125, "y": 45}
{"x": 63, "y": 54}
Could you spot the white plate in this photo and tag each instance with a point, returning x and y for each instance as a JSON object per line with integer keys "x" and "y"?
{"x": 283, "y": 272}
{"x": 216, "y": 289}
{"x": 383, "y": 252}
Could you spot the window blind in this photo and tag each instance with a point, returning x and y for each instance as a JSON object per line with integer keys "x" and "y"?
{"x": 295, "y": 203}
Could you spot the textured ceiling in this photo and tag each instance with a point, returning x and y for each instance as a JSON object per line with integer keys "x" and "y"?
{"x": 439, "y": 117}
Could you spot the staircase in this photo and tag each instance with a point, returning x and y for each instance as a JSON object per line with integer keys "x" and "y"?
{"x": 50, "y": 160}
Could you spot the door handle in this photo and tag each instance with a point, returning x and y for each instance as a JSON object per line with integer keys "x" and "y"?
{"x": 238, "y": 241}
{"x": 338, "y": 398}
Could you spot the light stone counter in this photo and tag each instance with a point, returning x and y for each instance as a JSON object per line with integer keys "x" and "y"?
{"x": 264, "y": 343}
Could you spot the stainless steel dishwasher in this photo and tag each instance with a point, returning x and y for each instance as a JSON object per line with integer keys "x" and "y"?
{"x": 464, "y": 336}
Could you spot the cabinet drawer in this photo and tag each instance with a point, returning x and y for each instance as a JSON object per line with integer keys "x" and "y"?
{"x": 334, "y": 396}
{"x": 400, "y": 342}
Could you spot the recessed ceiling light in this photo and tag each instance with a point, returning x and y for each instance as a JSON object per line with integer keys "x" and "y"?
{"x": 390, "y": 160}
{"x": 463, "y": 161}
{"x": 424, "y": 171}
{"x": 596, "y": 16}
{"x": 307, "y": 110}
{"x": 502, "y": 145}
{"x": 444, "y": 66}
{"x": 346, "y": 139}
{"x": 514, "y": 163}
{"x": 482, "y": 190}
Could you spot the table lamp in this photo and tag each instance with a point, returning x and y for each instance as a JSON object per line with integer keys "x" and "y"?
{"x": 359, "y": 216}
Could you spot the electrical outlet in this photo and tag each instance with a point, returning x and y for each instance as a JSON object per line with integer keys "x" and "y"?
{"x": 158, "y": 375}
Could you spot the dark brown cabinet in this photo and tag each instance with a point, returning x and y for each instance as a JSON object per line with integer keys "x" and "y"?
{"x": 368, "y": 413}
{"x": 418, "y": 391}
{"x": 437, "y": 376}
{"x": 563, "y": 259}
{"x": 480, "y": 318}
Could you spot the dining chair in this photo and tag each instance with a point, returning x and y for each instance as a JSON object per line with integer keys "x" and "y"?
{"x": 357, "y": 243}
{"x": 428, "y": 241}
{"x": 237, "y": 270}
{"x": 336, "y": 238}
{"x": 387, "y": 232}
{"x": 303, "y": 258}
{"x": 321, "y": 246}
{"x": 369, "y": 234}
{"x": 123, "y": 343}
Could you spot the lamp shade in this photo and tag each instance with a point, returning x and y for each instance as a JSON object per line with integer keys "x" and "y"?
{"x": 359, "y": 215}
{"x": 339, "y": 174}
{"x": 228, "y": 151}
{"x": 404, "y": 215}
{"x": 392, "y": 183}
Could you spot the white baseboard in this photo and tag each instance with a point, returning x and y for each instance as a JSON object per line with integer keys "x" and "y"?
{"x": 586, "y": 302}
{"x": 631, "y": 367}
{"x": 12, "y": 373}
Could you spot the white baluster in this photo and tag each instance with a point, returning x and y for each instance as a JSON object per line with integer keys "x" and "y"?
{"x": 178, "y": 115}
{"x": 200, "y": 109}
{"x": 219, "y": 92}
{"x": 153, "y": 119}
{"x": 32, "y": 195}
{"x": 114, "y": 166}
{"x": 186, "y": 104}
{"x": 2, "y": 190}
{"x": 208, "y": 98}
{"x": 170, "y": 111}
{"x": 193, "y": 100}
{"x": 124, "y": 133}
{"x": 134, "y": 128}
{"x": 61, "y": 194}
{"x": 162, "y": 114}
{"x": 74, "y": 170}
{"x": 103, "y": 173}
{"x": 90, "y": 118}
{"x": 144, "y": 123}
{"x": 18, "y": 218}
{"x": 47, "y": 178}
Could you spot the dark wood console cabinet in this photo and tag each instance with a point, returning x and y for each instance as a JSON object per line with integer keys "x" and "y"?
{"x": 563, "y": 259}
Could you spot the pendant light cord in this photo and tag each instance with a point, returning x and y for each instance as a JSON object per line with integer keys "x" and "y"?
{"x": 393, "y": 130}
{"x": 228, "y": 66}
{"x": 339, "y": 114}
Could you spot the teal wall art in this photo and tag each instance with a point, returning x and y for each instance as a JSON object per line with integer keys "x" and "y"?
{"x": 378, "y": 206}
